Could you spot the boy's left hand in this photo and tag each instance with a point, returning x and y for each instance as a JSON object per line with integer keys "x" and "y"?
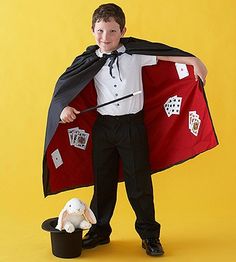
{"x": 200, "y": 70}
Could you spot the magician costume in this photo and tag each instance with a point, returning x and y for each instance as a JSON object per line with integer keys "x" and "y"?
{"x": 167, "y": 124}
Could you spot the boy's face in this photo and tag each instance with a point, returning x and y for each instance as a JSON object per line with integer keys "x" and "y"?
{"x": 107, "y": 35}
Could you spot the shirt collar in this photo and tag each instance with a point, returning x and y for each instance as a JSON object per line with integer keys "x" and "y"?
{"x": 100, "y": 54}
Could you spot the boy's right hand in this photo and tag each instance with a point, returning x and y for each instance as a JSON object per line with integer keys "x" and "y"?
{"x": 68, "y": 114}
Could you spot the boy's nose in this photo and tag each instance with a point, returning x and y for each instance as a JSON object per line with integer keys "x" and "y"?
{"x": 105, "y": 36}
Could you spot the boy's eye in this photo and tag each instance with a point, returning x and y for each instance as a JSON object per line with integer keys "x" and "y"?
{"x": 101, "y": 31}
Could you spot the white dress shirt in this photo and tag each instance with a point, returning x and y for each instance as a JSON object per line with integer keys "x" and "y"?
{"x": 125, "y": 82}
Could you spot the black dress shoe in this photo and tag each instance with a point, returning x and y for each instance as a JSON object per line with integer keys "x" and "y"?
{"x": 93, "y": 239}
{"x": 153, "y": 246}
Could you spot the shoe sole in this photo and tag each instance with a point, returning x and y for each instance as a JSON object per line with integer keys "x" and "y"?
{"x": 102, "y": 242}
{"x": 152, "y": 254}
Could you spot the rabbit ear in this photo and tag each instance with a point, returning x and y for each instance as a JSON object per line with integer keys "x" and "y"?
{"x": 61, "y": 219}
{"x": 89, "y": 215}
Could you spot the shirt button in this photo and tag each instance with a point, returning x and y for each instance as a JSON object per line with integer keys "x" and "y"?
{"x": 116, "y": 94}
{"x": 115, "y": 85}
{"x": 117, "y": 104}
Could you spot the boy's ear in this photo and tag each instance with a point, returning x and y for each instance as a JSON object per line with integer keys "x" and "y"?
{"x": 123, "y": 31}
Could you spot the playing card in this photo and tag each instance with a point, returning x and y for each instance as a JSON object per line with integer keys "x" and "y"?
{"x": 195, "y": 126}
{"x": 71, "y": 133}
{"x": 167, "y": 109}
{"x": 172, "y": 105}
{"x": 82, "y": 139}
{"x": 191, "y": 115}
{"x": 194, "y": 122}
{"x": 57, "y": 159}
{"x": 176, "y": 105}
{"x": 75, "y": 136}
{"x": 78, "y": 137}
{"x": 182, "y": 70}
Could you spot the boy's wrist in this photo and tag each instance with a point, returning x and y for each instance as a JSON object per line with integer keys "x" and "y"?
{"x": 195, "y": 61}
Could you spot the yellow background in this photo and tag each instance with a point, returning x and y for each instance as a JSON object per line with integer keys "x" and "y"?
{"x": 195, "y": 201}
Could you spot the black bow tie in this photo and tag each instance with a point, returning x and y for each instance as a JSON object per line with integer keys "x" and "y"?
{"x": 113, "y": 57}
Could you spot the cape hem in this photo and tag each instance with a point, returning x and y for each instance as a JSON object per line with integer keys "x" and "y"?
{"x": 153, "y": 172}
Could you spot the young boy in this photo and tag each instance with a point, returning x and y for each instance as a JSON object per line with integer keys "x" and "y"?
{"x": 119, "y": 131}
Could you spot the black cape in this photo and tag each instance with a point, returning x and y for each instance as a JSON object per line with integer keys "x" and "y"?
{"x": 79, "y": 75}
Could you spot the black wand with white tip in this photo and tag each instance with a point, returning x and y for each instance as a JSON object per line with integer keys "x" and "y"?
{"x": 110, "y": 102}
{"x": 107, "y": 103}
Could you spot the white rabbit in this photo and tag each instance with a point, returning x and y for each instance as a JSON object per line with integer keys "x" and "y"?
{"x": 75, "y": 214}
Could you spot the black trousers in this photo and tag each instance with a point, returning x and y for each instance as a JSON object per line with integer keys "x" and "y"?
{"x": 115, "y": 138}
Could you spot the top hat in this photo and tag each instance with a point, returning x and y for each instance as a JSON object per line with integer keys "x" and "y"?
{"x": 64, "y": 245}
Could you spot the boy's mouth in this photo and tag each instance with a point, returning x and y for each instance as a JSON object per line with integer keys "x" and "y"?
{"x": 106, "y": 43}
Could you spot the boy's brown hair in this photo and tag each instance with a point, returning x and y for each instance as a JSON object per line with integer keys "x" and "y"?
{"x": 106, "y": 11}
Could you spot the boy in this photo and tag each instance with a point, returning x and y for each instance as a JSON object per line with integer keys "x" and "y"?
{"x": 119, "y": 131}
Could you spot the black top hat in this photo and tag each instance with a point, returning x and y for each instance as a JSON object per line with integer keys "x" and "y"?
{"x": 64, "y": 245}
